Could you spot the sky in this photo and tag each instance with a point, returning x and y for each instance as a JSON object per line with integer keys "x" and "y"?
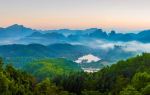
{"x": 120, "y": 15}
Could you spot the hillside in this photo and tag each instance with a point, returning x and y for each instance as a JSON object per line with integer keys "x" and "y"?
{"x": 60, "y": 50}
{"x": 51, "y": 67}
{"x": 128, "y": 77}
{"x": 38, "y": 50}
{"x": 19, "y": 54}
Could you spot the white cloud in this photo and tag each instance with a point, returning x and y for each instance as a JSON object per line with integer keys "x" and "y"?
{"x": 88, "y": 59}
{"x": 136, "y": 46}
{"x": 127, "y": 46}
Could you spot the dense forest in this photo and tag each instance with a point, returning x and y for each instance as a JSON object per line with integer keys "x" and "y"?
{"x": 126, "y": 77}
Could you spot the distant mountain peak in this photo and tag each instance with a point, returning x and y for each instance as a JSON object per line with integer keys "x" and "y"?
{"x": 112, "y": 33}
{"x": 35, "y": 34}
{"x": 90, "y": 29}
{"x": 16, "y": 26}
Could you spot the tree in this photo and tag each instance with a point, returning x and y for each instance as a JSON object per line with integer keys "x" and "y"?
{"x": 140, "y": 80}
{"x": 130, "y": 90}
{"x": 46, "y": 88}
{"x": 85, "y": 92}
{"x": 4, "y": 84}
{"x": 1, "y": 64}
{"x": 146, "y": 90}
{"x": 74, "y": 83}
{"x": 120, "y": 83}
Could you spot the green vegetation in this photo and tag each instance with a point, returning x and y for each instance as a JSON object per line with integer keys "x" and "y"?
{"x": 15, "y": 82}
{"x": 130, "y": 77}
{"x": 51, "y": 68}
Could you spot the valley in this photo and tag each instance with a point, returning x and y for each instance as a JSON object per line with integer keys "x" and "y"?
{"x": 73, "y": 62}
{"x": 93, "y": 47}
{"x": 74, "y": 47}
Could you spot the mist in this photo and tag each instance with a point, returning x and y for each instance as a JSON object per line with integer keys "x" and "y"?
{"x": 131, "y": 46}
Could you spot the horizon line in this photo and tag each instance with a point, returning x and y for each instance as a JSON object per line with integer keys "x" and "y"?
{"x": 104, "y": 29}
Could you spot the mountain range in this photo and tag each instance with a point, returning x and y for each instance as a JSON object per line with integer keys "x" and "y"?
{"x": 19, "y": 54}
{"x": 21, "y": 34}
{"x": 20, "y": 45}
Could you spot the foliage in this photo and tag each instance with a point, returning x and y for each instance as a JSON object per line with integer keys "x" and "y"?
{"x": 130, "y": 77}
{"x": 51, "y": 67}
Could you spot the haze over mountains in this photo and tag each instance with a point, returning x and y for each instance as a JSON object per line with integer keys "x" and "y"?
{"x": 21, "y": 34}
{"x": 18, "y": 41}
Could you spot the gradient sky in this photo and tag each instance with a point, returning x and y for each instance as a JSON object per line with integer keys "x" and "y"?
{"x": 121, "y": 15}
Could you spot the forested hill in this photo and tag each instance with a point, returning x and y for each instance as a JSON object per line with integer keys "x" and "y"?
{"x": 51, "y": 68}
{"x": 129, "y": 77}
